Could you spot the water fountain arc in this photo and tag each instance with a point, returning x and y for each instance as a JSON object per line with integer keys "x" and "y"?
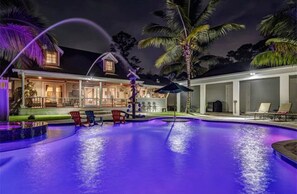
{"x": 98, "y": 58}
{"x": 66, "y": 21}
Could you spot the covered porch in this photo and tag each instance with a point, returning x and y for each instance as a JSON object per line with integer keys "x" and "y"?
{"x": 244, "y": 91}
{"x": 74, "y": 92}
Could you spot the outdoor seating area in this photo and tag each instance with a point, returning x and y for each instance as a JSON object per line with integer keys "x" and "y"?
{"x": 91, "y": 121}
{"x": 282, "y": 114}
{"x": 118, "y": 116}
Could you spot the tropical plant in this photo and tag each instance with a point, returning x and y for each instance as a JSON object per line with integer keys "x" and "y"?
{"x": 19, "y": 24}
{"x": 281, "y": 29}
{"x": 29, "y": 92}
{"x": 185, "y": 34}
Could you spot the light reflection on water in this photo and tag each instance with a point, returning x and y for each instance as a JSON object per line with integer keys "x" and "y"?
{"x": 90, "y": 162}
{"x": 179, "y": 139}
{"x": 199, "y": 157}
{"x": 251, "y": 154}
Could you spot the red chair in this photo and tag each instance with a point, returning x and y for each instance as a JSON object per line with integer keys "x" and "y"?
{"x": 75, "y": 115}
{"x": 118, "y": 116}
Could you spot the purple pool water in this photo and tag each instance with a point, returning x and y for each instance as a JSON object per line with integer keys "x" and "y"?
{"x": 199, "y": 157}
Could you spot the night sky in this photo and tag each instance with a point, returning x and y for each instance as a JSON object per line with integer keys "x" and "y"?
{"x": 131, "y": 15}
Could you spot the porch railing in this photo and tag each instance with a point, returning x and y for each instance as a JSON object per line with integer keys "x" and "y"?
{"x": 45, "y": 102}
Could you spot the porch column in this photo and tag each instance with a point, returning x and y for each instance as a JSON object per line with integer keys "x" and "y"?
{"x": 100, "y": 93}
{"x": 178, "y": 98}
{"x": 236, "y": 96}
{"x": 23, "y": 90}
{"x": 202, "y": 99}
{"x": 284, "y": 89}
{"x": 79, "y": 90}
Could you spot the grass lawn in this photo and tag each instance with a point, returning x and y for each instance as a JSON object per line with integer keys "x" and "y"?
{"x": 38, "y": 117}
{"x": 169, "y": 113}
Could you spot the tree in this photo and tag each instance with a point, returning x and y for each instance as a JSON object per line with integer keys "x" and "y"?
{"x": 19, "y": 24}
{"x": 185, "y": 34}
{"x": 281, "y": 31}
{"x": 246, "y": 52}
{"x": 125, "y": 42}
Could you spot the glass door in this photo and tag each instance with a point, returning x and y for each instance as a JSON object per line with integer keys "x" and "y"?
{"x": 53, "y": 93}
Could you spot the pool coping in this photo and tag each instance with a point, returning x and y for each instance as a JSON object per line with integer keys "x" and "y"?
{"x": 283, "y": 153}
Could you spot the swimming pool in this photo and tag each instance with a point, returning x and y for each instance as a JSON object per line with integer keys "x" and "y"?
{"x": 199, "y": 157}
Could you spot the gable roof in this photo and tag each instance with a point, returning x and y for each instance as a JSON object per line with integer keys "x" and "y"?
{"x": 74, "y": 61}
{"x": 78, "y": 62}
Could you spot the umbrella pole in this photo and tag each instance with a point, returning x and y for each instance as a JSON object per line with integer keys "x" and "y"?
{"x": 174, "y": 108}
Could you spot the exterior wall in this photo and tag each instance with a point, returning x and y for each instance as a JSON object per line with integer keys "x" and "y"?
{"x": 183, "y": 100}
{"x": 293, "y": 93}
{"x": 171, "y": 99}
{"x": 196, "y": 99}
{"x": 222, "y": 92}
{"x": 254, "y": 92}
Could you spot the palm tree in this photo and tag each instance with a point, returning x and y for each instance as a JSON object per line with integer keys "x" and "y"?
{"x": 185, "y": 34}
{"x": 19, "y": 24}
{"x": 281, "y": 29}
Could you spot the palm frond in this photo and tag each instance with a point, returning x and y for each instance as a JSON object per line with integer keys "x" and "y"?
{"x": 37, "y": 24}
{"x": 156, "y": 42}
{"x": 274, "y": 59}
{"x": 192, "y": 8}
{"x": 176, "y": 16}
{"x": 281, "y": 40}
{"x": 281, "y": 24}
{"x": 222, "y": 30}
{"x": 196, "y": 31}
{"x": 207, "y": 12}
{"x": 26, "y": 5}
{"x": 172, "y": 55}
{"x": 13, "y": 38}
{"x": 156, "y": 29}
{"x": 176, "y": 68}
{"x": 160, "y": 13}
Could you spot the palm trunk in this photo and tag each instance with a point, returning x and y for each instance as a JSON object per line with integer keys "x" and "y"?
{"x": 187, "y": 55}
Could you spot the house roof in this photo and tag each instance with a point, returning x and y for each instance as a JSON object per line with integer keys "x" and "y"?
{"x": 227, "y": 69}
{"x": 155, "y": 80}
{"x": 78, "y": 62}
{"x": 74, "y": 61}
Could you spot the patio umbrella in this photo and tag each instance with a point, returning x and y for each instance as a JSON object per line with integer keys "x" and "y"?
{"x": 173, "y": 88}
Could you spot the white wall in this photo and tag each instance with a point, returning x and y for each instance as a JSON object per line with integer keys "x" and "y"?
{"x": 216, "y": 92}
{"x": 293, "y": 93}
{"x": 196, "y": 98}
{"x": 254, "y": 92}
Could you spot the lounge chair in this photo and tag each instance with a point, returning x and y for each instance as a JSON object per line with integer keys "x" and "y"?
{"x": 263, "y": 110}
{"x": 75, "y": 115}
{"x": 118, "y": 116}
{"x": 91, "y": 118}
{"x": 283, "y": 110}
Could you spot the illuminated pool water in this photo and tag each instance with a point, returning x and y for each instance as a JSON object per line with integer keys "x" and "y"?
{"x": 199, "y": 157}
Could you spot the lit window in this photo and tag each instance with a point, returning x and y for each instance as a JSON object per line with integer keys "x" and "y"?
{"x": 51, "y": 58}
{"x": 109, "y": 66}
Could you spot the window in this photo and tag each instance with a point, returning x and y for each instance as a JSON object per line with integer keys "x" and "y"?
{"x": 109, "y": 66}
{"x": 51, "y": 58}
